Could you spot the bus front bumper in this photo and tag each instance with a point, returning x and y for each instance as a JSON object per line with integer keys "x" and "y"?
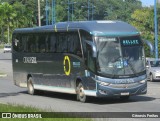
{"x": 107, "y": 91}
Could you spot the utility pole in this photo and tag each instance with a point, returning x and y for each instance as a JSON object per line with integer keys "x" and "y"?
{"x": 92, "y": 11}
{"x": 39, "y": 14}
{"x": 88, "y": 9}
{"x": 68, "y": 10}
{"x": 156, "y": 29}
{"x": 47, "y": 8}
{"x": 53, "y": 11}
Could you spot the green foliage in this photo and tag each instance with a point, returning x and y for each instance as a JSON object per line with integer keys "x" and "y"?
{"x": 13, "y": 16}
{"x": 143, "y": 20}
{"x": 22, "y": 109}
{"x": 24, "y": 13}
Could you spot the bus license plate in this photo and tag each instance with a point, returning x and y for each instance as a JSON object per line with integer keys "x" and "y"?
{"x": 125, "y": 93}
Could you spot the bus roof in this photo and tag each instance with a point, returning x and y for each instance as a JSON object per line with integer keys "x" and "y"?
{"x": 96, "y": 28}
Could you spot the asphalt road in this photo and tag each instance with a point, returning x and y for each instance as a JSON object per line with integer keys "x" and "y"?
{"x": 9, "y": 93}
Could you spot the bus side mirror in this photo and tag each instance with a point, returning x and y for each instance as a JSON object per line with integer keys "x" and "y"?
{"x": 150, "y": 46}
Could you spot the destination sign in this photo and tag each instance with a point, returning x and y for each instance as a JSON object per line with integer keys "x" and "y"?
{"x": 104, "y": 39}
{"x": 131, "y": 41}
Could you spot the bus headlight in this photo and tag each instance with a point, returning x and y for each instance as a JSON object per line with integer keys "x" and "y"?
{"x": 103, "y": 83}
{"x": 142, "y": 82}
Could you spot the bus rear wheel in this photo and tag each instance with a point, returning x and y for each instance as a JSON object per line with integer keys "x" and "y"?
{"x": 30, "y": 86}
{"x": 80, "y": 93}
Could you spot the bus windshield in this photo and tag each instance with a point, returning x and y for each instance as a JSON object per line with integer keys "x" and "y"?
{"x": 120, "y": 56}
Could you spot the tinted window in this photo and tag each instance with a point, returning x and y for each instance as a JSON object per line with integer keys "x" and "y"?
{"x": 61, "y": 42}
{"x": 52, "y": 43}
{"x": 41, "y": 41}
{"x": 85, "y": 36}
{"x": 90, "y": 60}
{"x": 74, "y": 45}
{"x": 31, "y": 43}
{"x": 24, "y": 43}
{"x": 16, "y": 42}
{"x": 48, "y": 42}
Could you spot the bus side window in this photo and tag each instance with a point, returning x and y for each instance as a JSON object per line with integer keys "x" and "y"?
{"x": 41, "y": 42}
{"x": 24, "y": 45}
{"x": 16, "y": 43}
{"x": 90, "y": 61}
{"x": 61, "y": 42}
{"x": 52, "y": 43}
{"x": 47, "y": 43}
{"x": 85, "y": 36}
{"x": 74, "y": 44}
{"x": 36, "y": 43}
{"x": 31, "y": 43}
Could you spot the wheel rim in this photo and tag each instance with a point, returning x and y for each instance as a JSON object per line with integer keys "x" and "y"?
{"x": 30, "y": 87}
{"x": 81, "y": 92}
{"x": 81, "y": 95}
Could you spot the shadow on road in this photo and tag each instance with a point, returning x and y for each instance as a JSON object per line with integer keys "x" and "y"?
{"x": 117, "y": 100}
{"x": 8, "y": 94}
{"x": 93, "y": 100}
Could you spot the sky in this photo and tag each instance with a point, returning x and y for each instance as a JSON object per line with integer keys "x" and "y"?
{"x": 147, "y": 2}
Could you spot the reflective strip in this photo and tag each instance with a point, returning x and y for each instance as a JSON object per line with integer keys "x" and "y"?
{"x": 55, "y": 89}
{"x": 90, "y": 93}
{"x": 23, "y": 84}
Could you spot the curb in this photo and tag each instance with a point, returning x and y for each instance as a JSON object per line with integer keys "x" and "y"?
{"x": 3, "y": 75}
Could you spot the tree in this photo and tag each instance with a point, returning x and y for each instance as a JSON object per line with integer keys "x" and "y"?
{"x": 23, "y": 16}
{"x": 7, "y": 17}
{"x": 13, "y": 16}
{"x": 143, "y": 20}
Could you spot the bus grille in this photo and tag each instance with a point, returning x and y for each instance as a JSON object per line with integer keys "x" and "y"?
{"x": 131, "y": 85}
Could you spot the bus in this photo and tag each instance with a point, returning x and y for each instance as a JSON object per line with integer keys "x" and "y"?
{"x": 85, "y": 58}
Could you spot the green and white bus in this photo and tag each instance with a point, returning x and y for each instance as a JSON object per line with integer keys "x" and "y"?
{"x": 87, "y": 58}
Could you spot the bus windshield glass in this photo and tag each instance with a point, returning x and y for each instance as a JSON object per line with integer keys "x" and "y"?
{"x": 122, "y": 56}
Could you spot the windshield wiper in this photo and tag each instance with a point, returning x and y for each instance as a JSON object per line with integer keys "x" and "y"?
{"x": 117, "y": 58}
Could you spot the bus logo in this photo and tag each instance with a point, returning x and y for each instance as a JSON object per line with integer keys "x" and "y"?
{"x": 30, "y": 60}
{"x": 67, "y": 65}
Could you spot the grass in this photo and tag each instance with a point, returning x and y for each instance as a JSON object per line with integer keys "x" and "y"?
{"x": 2, "y": 73}
{"x": 22, "y": 109}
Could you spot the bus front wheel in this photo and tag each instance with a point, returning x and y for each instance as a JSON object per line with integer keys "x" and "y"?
{"x": 80, "y": 93}
{"x": 30, "y": 86}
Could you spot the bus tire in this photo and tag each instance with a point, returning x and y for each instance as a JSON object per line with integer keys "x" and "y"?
{"x": 80, "y": 93}
{"x": 151, "y": 78}
{"x": 30, "y": 86}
